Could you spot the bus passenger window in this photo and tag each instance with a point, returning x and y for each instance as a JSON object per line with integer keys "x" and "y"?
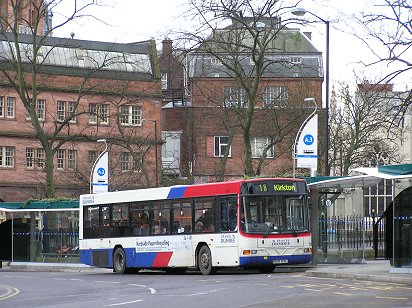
{"x": 204, "y": 215}
{"x": 161, "y": 218}
{"x": 228, "y": 214}
{"x": 139, "y": 215}
{"x": 182, "y": 216}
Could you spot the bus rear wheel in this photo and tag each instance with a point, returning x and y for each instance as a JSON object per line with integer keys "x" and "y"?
{"x": 119, "y": 261}
{"x": 204, "y": 261}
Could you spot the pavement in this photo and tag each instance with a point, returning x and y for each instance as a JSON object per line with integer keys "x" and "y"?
{"x": 371, "y": 270}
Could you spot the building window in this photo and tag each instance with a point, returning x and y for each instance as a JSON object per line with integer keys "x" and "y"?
{"x": 35, "y": 158}
{"x": 6, "y": 157}
{"x": 2, "y": 112}
{"x": 131, "y": 115}
{"x": 222, "y": 147}
{"x": 60, "y": 159}
{"x": 235, "y": 97}
{"x": 275, "y": 96}
{"x": 91, "y": 157}
{"x": 98, "y": 113}
{"x": 259, "y": 144}
{"x": 61, "y": 111}
{"x": 92, "y": 113}
{"x": 41, "y": 109}
{"x": 66, "y": 110}
{"x": 29, "y": 157}
{"x": 137, "y": 162}
{"x": 11, "y": 106}
{"x": 296, "y": 60}
{"x": 124, "y": 161}
{"x": 41, "y": 156}
{"x": 71, "y": 159}
{"x": 164, "y": 81}
{"x": 215, "y": 61}
{"x": 7, "y": 107}
{"x": 377, "y": 198}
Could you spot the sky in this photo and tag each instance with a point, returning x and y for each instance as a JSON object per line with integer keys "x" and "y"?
{"x": 137, "y": 20}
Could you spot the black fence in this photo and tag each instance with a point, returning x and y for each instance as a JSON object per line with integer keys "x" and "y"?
{"x": 47, "y": 246}
{"x": 354, "y": 232}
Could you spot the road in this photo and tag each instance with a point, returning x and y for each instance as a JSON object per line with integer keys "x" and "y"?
{"x": 226, "y": 289}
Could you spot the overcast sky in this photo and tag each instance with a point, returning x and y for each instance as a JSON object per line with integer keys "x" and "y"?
{"x": 137, "y": 20}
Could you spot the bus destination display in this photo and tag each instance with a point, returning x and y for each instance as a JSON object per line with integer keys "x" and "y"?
{"x": 274, "y": 187}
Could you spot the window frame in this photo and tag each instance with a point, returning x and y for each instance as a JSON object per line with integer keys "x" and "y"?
{"x": 71, "y": 159}
{"x": 256, "y": 149}
{"x": 7, "y": 156}
{"x": 275, "y": 96}
{"x": 130, "y": 115}
{"x": 163, "y": 81}
{"x": 218, "y": 151}
{"x": 235, "y": 97}
{"x": 96, "y": 116}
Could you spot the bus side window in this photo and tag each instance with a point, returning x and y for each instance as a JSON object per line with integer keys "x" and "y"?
{"x": 161, "y": 218}
{"x": 182, "y": 216}
{"x": 228, "y": 214}
{"x": 205, "y": 217}
{"x": 91, "y": 222}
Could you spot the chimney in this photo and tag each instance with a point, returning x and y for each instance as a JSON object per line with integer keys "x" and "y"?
{"x": 167, "y": 46}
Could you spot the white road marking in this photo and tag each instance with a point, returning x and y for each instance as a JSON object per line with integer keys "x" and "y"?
{"x": 124, "y": 303}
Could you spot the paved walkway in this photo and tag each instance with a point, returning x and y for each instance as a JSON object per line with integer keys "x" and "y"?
{"x": 378, "y": 271}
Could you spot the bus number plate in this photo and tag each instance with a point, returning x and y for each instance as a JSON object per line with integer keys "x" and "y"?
{"x": 280, "y": 261}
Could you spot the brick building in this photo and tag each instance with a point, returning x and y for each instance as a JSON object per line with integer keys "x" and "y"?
{"x": 85, "y": 91}
{"x": 211, "y": 144}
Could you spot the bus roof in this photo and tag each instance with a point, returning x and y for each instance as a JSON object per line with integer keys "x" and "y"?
{"x": 174, "y": 192}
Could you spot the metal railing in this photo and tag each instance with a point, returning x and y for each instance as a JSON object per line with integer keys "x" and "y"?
{"x": 353, "y": 232}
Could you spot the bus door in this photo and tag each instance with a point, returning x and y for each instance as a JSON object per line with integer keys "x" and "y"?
{"x": 227, "y": 243}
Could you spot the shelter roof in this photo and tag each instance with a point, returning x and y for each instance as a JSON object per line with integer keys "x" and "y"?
{"x": 371, "y": 176}
{"x": 35, "y": 206}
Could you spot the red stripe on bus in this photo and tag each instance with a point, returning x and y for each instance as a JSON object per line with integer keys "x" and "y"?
{"x": 212, "y": 189}
{"x": 162, "y": 259}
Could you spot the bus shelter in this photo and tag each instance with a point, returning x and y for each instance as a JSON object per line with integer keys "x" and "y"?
{"x": 368, "y": 235}
{"x": 40, "y": 231}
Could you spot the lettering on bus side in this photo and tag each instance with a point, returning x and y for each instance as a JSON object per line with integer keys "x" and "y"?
{"x": 227, "y": 239}
{"x": 281, "y": 242}
{"x": 88, "y": 200}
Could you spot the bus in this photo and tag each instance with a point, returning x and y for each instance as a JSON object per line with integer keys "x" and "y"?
{"x": 255, "y": 223}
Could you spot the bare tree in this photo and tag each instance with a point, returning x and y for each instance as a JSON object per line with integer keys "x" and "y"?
{"x": 389, "y": 24}
{"x": 252, "y": 52}
{"x": 27, "y": 55}
{"x": 361, "y": 127}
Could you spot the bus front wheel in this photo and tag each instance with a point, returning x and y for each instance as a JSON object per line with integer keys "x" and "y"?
{"x": 119, "y": 261}
{"x": 204, "y": 260}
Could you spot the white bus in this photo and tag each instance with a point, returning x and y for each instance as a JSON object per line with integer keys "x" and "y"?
{"x": 257, "y": 223}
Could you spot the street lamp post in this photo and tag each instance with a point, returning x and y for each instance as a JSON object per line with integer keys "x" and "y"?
{"x": 301, "y": 12}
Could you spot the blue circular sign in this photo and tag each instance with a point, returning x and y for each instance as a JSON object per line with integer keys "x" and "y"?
{"x": 101, "y": 171}
{"x": 308, "y": 139}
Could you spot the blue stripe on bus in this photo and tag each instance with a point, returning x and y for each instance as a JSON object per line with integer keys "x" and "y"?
{"x": 260, "y": 260}
{"x": 133, "y": 259}
{"x": 176, "y": 192}
{"x": 144, "y": 259}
